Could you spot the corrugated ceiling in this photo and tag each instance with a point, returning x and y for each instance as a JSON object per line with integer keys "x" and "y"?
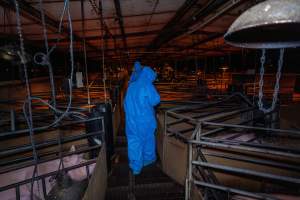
{"x": 149, "y": 25}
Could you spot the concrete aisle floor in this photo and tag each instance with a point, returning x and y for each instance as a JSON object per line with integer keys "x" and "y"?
{"x": 151, "y": 184}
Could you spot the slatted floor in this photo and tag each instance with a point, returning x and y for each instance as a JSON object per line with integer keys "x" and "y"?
{"x": 151, "y": 184}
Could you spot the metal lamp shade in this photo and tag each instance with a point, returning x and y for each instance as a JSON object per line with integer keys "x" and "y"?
{"x": 267, "y": 25}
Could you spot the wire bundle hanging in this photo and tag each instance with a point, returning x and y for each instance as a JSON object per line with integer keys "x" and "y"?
{"x": 44, "y": 59}
{"x": 28, "y": 90}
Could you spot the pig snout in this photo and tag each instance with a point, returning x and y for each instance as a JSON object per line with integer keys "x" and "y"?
{"x": 80, "y": 174}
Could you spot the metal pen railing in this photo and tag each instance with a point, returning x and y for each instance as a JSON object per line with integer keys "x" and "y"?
{"x": 43, "y": 178}
{"x": 23, "y": 160}
{"x": 269, "y": 155}
{"x": 211, "y": 131}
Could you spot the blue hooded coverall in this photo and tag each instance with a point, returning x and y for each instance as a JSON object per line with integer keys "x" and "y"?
{"x": 136, "y": 71}
{"x": 140, "y": 100}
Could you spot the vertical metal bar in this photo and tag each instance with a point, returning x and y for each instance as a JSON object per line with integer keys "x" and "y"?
{"x": 87, "y": 171}
{"x": 186, "y": 189}
{"x": 18, "y": 192}
{"x": 164, "y": 135}
{"x": 103, "y": 50}
{"x": 102, "y": 122}
{"x": 44, "y": 187}
{"x": 84, "y": 53}
{"x": 190, "y": 173}
{"x": 12, "y": 120}
{"x": 199, "y": 131}
{"x": 165, "y": 123}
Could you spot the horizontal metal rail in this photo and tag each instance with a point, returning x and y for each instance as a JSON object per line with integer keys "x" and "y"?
{"x": 247, "y": 172}
{"x": 292, "y": 132}
{"x": 245, "y": 148}
{"x": 43, "y": 160}
{"x": 182, "y": 118}
{"x": 14, "y": 185}
{"x": 255, "y": 161}
{"x": 234, "y": 191}
{"x": 251, "y": 144}
{"x": 46, "y": 144}
{"x": 37, "y": 129}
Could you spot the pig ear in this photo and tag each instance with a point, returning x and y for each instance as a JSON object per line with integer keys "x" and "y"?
{"x": 72, "y": 149}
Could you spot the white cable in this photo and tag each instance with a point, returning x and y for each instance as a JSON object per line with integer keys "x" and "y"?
{"x": 29, "y": 120}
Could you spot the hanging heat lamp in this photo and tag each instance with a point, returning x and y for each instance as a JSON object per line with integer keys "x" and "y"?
{"x": 272, "y": 24}
{"x": 11, "y": 53}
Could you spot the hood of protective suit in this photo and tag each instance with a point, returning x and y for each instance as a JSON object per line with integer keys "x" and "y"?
{"x": 136, "y": 71}
{"x": 137, "y": 66}
{"x": 147, "y": 75}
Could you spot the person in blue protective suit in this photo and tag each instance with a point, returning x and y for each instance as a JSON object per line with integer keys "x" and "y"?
{"x": 140, "y": 100}
{"x": 137, "y": 68}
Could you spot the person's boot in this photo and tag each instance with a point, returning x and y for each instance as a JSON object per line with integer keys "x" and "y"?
{"x": 131, "y": 184}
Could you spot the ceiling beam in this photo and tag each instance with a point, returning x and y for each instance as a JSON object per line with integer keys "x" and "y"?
{"x": 119, "y": 36}
{"x": 208, "y": 13}
{"x": 51, "y": 1}
{"x": 121, "y": 23}
{"x": 169, "y": 27}
{"x": 34, "y": 14}
{"x": 209, "y": 38}
{"x": 122, "y": 49}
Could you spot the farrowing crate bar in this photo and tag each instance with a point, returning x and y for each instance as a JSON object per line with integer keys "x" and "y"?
{"x": 22, "y": 161}
{"x": 222, "y": 124}
{"x": 249, "y": 169}
{"x": 177, "y": 122}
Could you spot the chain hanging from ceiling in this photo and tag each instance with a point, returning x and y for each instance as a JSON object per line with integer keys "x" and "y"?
{"x": 277, "y": 84}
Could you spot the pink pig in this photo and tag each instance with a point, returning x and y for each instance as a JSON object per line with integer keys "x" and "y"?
{"x": 16, "y": 176}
